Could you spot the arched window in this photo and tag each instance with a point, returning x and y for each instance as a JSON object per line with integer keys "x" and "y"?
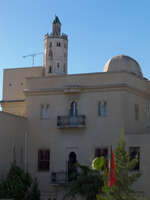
{"x": 44, "y": 111}
{"x": 102, "y": 108}
{"x": 50, "y": 54}
{"x": 58, "y": 44}
{"x": 50, "y": 69}
{"x": 73, "y": 109}
{"x": 50, "y": 44}
{"x": 58, "y": 65}
{"x": 72, "y": 169}
{"x": 134, "y": 153}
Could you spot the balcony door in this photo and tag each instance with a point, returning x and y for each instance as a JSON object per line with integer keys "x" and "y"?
{"x": 73, "y": 109}
{"x": 72, "y": 168}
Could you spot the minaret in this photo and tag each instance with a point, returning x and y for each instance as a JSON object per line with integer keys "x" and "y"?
{"x": 55, "y": 50}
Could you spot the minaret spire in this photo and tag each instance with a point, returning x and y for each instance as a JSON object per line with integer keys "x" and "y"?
{"x": 56, "y": 26}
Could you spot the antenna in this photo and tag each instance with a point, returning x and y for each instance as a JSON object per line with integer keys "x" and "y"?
{"x": 33, "y": 56}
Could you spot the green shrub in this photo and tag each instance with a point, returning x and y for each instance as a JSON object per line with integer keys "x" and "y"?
{"x": 17, "y": 184}
{"x": 34, "y": 192}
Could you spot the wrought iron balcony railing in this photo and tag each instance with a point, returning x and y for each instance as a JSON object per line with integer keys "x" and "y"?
{"x": 62, "y": 177}
{"x": 59, "y": 177}
{"x": 78, "y": 121}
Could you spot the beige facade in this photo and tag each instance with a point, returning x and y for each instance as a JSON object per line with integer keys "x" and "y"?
{"x": 14, "y": 82}
{"x": 13, "y": 146}
{"x": 78, "y": 113}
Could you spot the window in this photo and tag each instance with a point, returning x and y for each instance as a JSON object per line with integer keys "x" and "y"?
{"x": 44, "y": 111}
{"x": 73, "y": 109}
{"x": 99, "y": 152}
{"x": 50, "y": 44}
{"x": 58, "y": 65}
{"x": 134, "y": 152}
{"x": 50, "y": 69}
{"x": 50, "y": 54}
{"x": 58, "y": 44}
{"x": 102, "y": 109}
{"x": 136, "y": 112}
{"x": 43, "y": 160}
{"x": 72, "y": 168}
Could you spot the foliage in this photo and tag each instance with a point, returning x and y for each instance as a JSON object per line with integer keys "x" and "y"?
{"x": 34, "y": 192}
{"x": 99, "y": 163}
{"x": 87, "y": 185}
{"x": 122, "y": 189}
{"x": 16, "y": 185}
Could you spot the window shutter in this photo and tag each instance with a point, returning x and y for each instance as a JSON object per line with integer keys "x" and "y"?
{"x": 43, "y": 160}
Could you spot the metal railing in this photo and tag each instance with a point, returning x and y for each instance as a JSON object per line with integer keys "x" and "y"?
{"x": 59, "y": 177}
{"x": 78, "y": 121}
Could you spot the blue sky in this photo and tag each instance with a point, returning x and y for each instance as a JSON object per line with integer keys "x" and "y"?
{"x": 97, "y": 31}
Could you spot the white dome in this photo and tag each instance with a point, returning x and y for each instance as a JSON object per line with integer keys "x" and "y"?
{"x": 123, "y": 63}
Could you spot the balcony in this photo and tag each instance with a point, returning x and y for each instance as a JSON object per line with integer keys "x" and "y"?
{"x": 78, "y": 121}
{"x": 59, "y": 178}
{"x": 62, "y": 177}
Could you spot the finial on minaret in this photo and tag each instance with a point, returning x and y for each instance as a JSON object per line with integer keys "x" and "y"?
{"x": 56, "y": 26}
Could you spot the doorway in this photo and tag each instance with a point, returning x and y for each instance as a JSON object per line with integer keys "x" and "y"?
{"x": 72, "y": 166}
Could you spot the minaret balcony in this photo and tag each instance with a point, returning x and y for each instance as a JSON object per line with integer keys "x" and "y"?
{"x": 78, "y": 121}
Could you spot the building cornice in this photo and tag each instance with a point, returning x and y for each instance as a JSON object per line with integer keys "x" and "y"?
{"x": 23, "y": 68}
{"x": 12, "y": 101}
{"x": 88, "y": 88}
